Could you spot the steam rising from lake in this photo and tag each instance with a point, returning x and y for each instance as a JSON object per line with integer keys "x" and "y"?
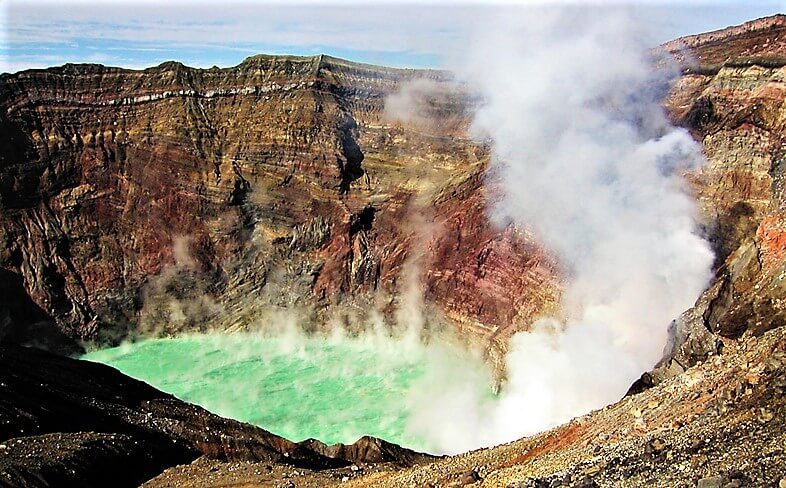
{"x": 571, "y": 105}
{"x": 335, "y": 387}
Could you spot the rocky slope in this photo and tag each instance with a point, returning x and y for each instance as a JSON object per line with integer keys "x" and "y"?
{"x": 66, "y": 422}
{"x": 720, "y": 424}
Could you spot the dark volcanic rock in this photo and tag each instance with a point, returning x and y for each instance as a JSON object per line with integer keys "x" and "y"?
{"x": 369, "y": 449}
{"x": 87, "y": 459}
{"x": 23, "y": 322}
{"x": 98, "y": 417}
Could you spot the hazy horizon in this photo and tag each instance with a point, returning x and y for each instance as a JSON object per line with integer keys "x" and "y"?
{"x": 38, "y": 34}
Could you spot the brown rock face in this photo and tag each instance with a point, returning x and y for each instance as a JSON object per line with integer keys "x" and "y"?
{"x": 731, "y": 96}
{"x": 174, "y": 197}
{"x": 187, "y": 196}
{"x": 757, "y": 41}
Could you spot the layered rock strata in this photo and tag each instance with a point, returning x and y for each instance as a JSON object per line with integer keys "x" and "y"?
{"x": 173, "y": 198}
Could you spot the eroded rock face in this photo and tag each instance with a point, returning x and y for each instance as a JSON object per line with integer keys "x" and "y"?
{"x": 133, "y": 197}
{"x": 172, "y": 198}
{"x": 731, "y": 96}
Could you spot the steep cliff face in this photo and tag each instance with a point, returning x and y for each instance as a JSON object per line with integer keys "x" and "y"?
{"x": 159, "y": 198}
{"x": 184, "y": 197}
{"x": 731, "y": 96}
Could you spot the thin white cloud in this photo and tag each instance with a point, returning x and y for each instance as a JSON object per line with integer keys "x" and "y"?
{"x": 378, "y": 28}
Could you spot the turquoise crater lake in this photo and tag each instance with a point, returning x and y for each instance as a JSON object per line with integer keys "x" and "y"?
{"x": 295, "y": 385}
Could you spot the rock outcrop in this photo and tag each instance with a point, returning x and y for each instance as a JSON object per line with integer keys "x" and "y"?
{"x": 731, "y": 97}
{"x": 759, "y": 41}
{"x": 721, "y": 423}
{"x": 176, "y": 198}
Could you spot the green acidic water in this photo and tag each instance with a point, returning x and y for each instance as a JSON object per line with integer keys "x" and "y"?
{"x": 296, "y": 386}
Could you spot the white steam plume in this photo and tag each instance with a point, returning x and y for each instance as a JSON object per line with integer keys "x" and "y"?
{"x": 588, "y": 161}
{"x": 410, "y": 104}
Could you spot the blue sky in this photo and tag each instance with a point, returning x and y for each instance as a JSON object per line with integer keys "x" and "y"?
{"x": 36, "y": 34}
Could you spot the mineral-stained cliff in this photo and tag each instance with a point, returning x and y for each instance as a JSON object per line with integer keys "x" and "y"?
{"x": 731, "y": 96}
{"x": 712, "y": 414}
{"x": 176, "y": 197}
